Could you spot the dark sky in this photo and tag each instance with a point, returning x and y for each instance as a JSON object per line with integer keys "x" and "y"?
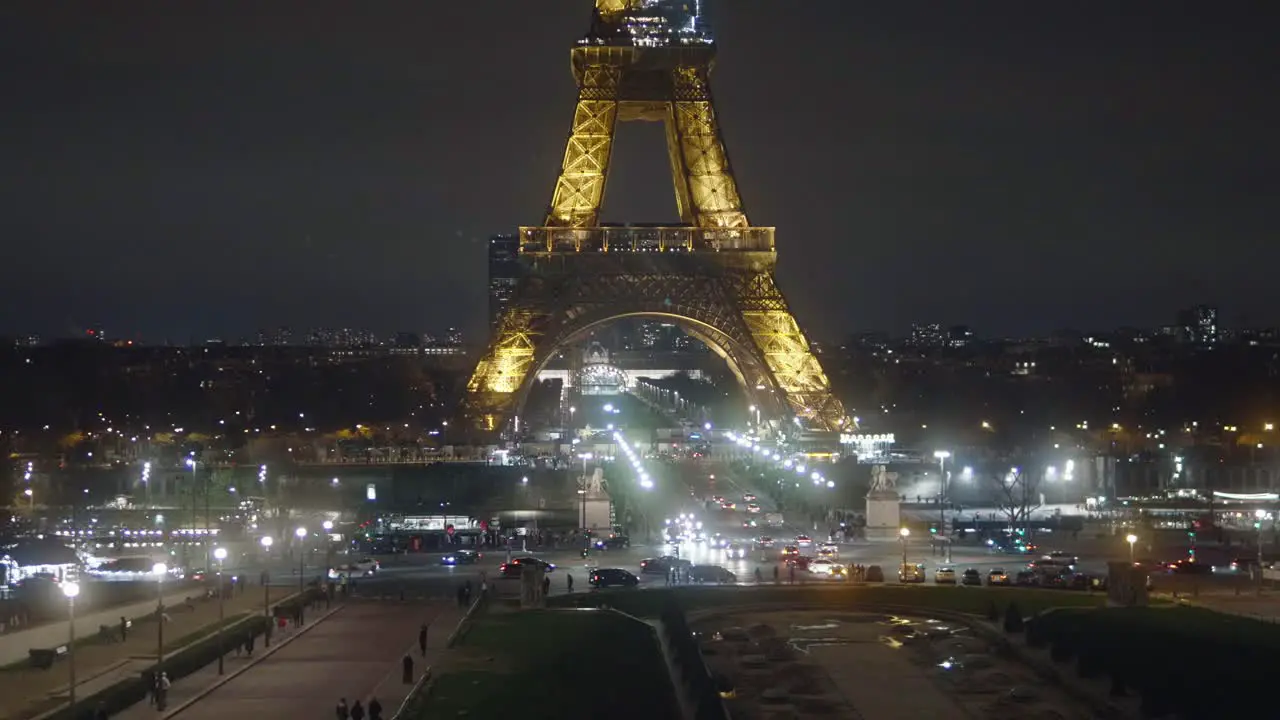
{"x": 184, "y": 169}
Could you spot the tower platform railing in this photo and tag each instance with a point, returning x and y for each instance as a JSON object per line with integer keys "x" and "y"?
{"x": 542, "y": 240}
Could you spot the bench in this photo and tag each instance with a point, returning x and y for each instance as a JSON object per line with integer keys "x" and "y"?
{"x": 43, "y": 658}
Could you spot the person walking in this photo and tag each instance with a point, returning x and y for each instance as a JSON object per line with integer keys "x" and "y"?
{"x": 375, "y": 709}
{"x": 357, "y": 711}
{"x": 406, "y": 670}
{"x": 162, "y": 691}
{"x": 569, "y": 581}
{"x": 422, "y": 639}
{"x": 341, "y": 711}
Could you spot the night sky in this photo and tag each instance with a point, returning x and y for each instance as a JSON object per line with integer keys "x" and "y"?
{"x": 189, "y": 169}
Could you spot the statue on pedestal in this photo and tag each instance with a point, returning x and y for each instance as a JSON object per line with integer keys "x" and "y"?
{"x": 883, "y": 482}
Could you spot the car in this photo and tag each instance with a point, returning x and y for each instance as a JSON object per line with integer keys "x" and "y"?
{"x": 804, "y": 541}
{"x": 970, "y": 577}
{"x": 718, "y": 541}
{"x": 609, "y": 577}
{"x": 944, "y": 576}
{"x": 661, "y": 565}
{"x": 997, "y": 576}
{"x": 749, "y": 497}
{"x": 735, "y": 551}
{"x": 911, "y": 573}
{"x": 1188, "y": 567}
{"x": 764, "y": 541}
{"x": 750, "y": 523}
{"x": 829, "y": 550}
{"x": 799, "y": 562}
{"x": 1026, "y": 578}
{"x": 462, "y": 557}
{"x": 822, "y": 567}
{"x": 515, "y": 568}
{"x": 874, "y": 573}
{"x": 1064, "y": 557}
{"x": 729, "y": 505}
{"x": 617, "y": 542}
{"x": 753, "y": 508}
{"x": 790, "y": 550}
{"x": 711, "y": 573}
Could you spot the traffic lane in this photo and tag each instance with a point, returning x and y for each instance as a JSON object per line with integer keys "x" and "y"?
{"x": 348, "y": 655}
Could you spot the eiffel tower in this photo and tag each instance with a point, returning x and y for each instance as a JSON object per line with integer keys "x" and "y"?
{"x": 713, "y": 275}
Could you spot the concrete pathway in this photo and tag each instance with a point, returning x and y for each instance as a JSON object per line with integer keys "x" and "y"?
{"x": 355, "y": 652}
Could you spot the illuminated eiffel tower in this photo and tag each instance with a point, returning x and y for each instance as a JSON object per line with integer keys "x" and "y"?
{"x": 712, "y": 275}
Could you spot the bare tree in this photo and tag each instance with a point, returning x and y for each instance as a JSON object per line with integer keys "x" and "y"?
{"x": 1017, "y": 493}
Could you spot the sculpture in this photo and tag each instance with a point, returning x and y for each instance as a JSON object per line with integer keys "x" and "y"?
{"x": 883, "y": 481}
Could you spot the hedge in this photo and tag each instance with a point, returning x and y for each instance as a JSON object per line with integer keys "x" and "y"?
{"x": 1194, "y": 662}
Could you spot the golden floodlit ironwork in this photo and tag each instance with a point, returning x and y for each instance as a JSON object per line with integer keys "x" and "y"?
{"x": 650, "y": 60}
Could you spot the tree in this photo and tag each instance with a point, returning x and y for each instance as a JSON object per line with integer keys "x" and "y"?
{"x": 1017, "y": 493}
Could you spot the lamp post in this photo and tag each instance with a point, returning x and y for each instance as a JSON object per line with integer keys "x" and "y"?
{"x": 301, "y": 534}
{"x": 942, "y": 456}
{"x": 71, "y": 590}
{"x": 582, "y": 488}
{"x": 1131, "y": 539}
{"x": 904, "y": 533}
{"x": 159, "y": 570}
{"x": 266, "y": 590}
{"x": 1259, "y": 516}
{"x": 220, "y": 554}
{"x": 31, "y": 499}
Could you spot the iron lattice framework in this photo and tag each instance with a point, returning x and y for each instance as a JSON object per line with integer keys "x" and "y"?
{"x": 714, "y": 275}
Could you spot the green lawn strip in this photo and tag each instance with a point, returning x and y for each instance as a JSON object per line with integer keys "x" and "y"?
{"x": 204, "y": 632}
{"x": 970, "y": 600}
{"x": 552, "y": 664}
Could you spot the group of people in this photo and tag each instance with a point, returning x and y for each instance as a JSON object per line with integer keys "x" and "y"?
{"x": 358, "y": 711}
{"x": 158, "y": 692}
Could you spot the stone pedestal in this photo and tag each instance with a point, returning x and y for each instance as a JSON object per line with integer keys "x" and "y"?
{"x": 597, "y": 512}
{"x": 884, "y": 515}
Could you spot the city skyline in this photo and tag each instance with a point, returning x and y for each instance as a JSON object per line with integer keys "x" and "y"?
{"x": 1082, "y": 172}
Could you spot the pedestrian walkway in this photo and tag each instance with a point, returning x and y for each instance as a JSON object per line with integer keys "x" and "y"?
{"x": 354, "y": 653}
{"x": 14, "y": 646}
{"x": 26, "y": 691}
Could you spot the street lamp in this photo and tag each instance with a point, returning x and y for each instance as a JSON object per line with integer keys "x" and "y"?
{"x": 904, "y": 533}
{"x": 1131, "y": 539}
{"x": 31, "y": 498}
{"x": 942, "y": 456}
{"x": 266, "y": 541}
{"x": 71, "y": 590}
{"x": 220, "y": 554}
{"x": 301, "y": 534}
{"x": 159, "y": 570}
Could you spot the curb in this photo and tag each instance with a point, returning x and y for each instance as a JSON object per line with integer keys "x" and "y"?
{"x": 244, "y": 668}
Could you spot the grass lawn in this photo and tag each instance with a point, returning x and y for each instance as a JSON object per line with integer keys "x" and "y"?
{"x": 553, "y": 664}
{"x": 972, "y": 600}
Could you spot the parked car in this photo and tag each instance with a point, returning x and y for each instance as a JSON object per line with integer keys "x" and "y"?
{"x": 829, "y": 550}
{"x": 911, "y": 573}
{"x": 971, "y": 576}
{"x": 610, "y": 577}
{"x": 944, "y": 576}
{"x": 997, "y": 576}
{"x": 874, "y": 573}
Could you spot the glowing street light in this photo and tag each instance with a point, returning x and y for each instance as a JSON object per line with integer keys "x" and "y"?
{"x": 71, "y": 590}
{"x": 301, "y": 534}
{"x": 1131, "y": 539}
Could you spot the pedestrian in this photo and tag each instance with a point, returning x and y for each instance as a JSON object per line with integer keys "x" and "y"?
{"x": 775, "y": 574}
{"x": 569, "y": 581}
{"x": 546, "y": 586}
{"x": 357, "y": 711}
{"x": 375, "y": 709}
{"x": 462, "y": 599}
{"x": 101, "y": 712}
{"x": 422, "y": 639}
{"x": 407, "y": 669}
{"x": 341, "y": 710}
{"x": 162, "y": 691}
{"x": 151, "y": 687}
{"x": 124, "y": 628}
{"x": 248, "y": 645}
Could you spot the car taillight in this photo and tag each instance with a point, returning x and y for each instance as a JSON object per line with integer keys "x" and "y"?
{"x": 503, "y": 566}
